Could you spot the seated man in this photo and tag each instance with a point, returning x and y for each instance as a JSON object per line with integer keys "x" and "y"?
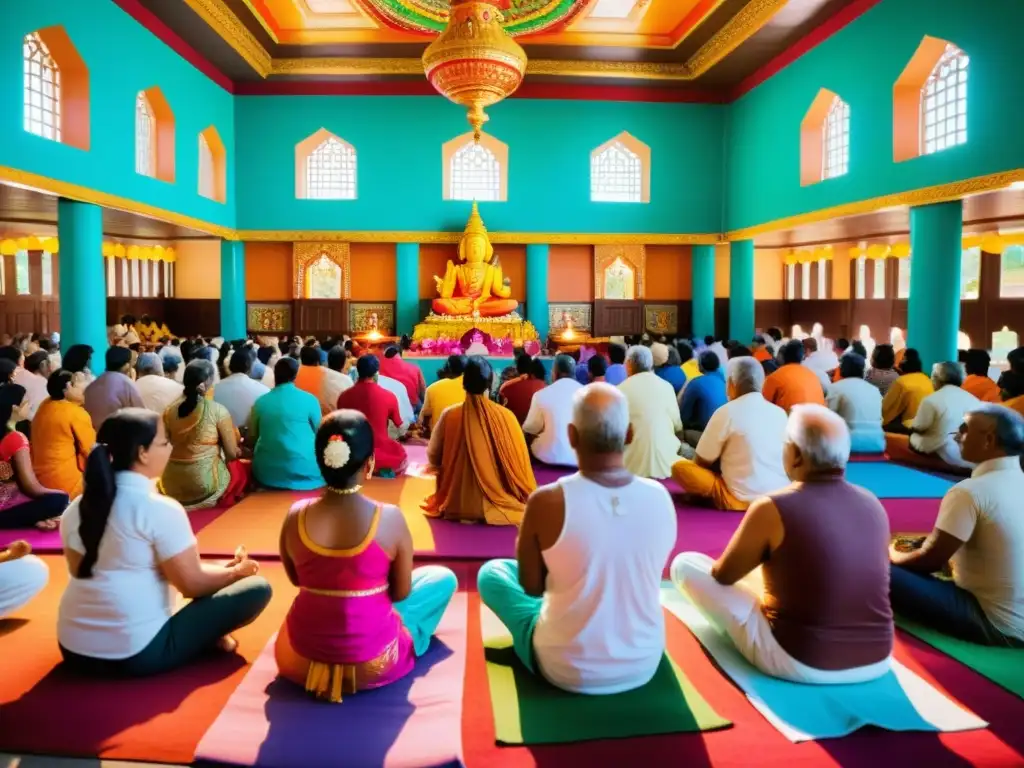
{"x": 824, "y": 616}
{"x": 480, "y": 455}
{"x": 517, "y": 394}
{"x": 932, "y": 441}
{"x": 380, "y": 408}
{"x": 616, "y": 373}
{"x": 739, "y": 455}
{"x": 981, "y": 530}
{"x": 905, "y": 394}
{"x": 155, "y": 389}
{"x": 550, "y": 412}
{"x": 976, "y": 364}
{"x": 793, "y": 383}
{"x": 239, "y": 391}
{"x": 653, "y": 415}
{"x": 582, "y": 598}
{"x": 669, "y": 366}
{"x": 820, "y": 359}
{"x": 444, "y": 392}
{"x": 702, "y": 397}
{"x": 859, "y": 404}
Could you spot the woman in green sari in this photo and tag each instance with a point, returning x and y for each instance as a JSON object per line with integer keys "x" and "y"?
{"x": 204, "y": 469}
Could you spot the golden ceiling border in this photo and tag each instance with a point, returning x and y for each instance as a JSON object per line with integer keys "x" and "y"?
{"x": 233, "y": 31}
{"x": 939, "y": 193}
{"x": 740, "y": 28}
{"x": 347, "y": 66}
{"x": 265, "y": 23}
{"x": 106, "y": 200}
{"x": 444, "y": 238}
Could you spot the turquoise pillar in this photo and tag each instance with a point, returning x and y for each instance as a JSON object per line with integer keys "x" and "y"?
{"x": 537, "y": 288}
{"x": 741, "y": 290}
{"x": 933, "y": 316}
{"x": 702, "y": 292}
{"x": 83, "y": 293}
{"x": 407, "y": 287}
{"x": 232, "y": 289}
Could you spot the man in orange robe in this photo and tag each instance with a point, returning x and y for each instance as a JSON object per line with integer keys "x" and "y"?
{"x": 481, "y": 458}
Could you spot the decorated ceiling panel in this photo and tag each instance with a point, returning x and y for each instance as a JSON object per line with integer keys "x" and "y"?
{"x": 522, "y": 17}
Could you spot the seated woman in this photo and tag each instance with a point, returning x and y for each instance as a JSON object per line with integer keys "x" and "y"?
{"x": 204, "y": 469}
{"x": 282, "y": 429}
{"x": 859, "y": 404}
{"x": 125, "y": 545}
{"x": 24, "y": 501}
{"x": 932, "y": 442}
{"x": 78, "y": 359}
{"x": 882, "y": 373}
{"x": 22, "y": 576}
{"x": 62, "y": 434}
{"x": 363, "y": 614}
{"x": 905, "y": 395}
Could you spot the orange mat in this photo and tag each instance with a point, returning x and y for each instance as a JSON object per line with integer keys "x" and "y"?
{"x": 256, "y": 521}
{"x": 159, "y": 719}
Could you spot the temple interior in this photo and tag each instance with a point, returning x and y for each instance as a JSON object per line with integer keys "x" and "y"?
{"x": 494, "y": 178}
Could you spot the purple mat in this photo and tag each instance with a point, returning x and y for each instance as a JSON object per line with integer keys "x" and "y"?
{"x": 412, "y": 723}
{"x": 459, "y": 541}
{"x": 48, "y": 542}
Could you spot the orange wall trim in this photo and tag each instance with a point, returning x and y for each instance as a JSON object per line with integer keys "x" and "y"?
{"x": 812, "y": 137}
{"x": 374, "y": 276}
{"x": 74, "y": 81}
{"x": 669, "y": 272}
{"x": 268, "y": 271}
{"x": 571, "y": 273}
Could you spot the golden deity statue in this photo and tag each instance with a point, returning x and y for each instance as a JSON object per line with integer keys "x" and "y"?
{"x": 475, "y": 287}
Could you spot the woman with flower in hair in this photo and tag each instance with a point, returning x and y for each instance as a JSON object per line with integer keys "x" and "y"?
{"x": 363, "y": 614}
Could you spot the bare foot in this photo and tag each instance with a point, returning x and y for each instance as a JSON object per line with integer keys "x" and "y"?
{"x": 48, "y": 525}
{"x": 228, "y": 644}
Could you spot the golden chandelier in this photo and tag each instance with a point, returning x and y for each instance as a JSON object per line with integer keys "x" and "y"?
{"x": 474, "y": 62}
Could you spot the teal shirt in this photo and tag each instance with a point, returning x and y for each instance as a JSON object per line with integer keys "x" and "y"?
{"x": 283, "y": 424}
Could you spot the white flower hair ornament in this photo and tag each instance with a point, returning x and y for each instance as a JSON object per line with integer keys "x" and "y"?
{"x": 337, "y": 453}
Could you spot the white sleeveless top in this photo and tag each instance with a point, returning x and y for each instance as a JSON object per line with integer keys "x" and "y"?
{"x": 601, "y": 628}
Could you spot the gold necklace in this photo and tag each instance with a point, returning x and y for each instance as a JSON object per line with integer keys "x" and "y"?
{"x": 345, "y": 491}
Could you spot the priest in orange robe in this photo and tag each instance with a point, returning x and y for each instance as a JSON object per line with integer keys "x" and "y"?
{"x": 480, "y": 454}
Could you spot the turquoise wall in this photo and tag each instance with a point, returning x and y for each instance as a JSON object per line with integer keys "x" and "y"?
{"x": 399, "y": 185}
{"x": 123, "y": 58}
{"x": 861, "y": 63}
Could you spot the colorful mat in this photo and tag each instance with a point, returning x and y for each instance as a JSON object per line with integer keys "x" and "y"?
{"x": 529, "y": 710}
{"x": 899, "y": 701}
{"x": 48, "y": 542}
{"x": 1003, "y": 666}
{"x": 159, "y": 719}
{"x": 893, "y": 481}
{"x": 414, "y": 722}
{"x": 256, "y": 523}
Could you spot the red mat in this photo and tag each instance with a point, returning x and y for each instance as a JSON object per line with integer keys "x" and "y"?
{"x": 45, "y": 710}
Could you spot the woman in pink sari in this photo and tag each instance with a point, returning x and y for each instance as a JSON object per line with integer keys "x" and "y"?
{"x": 363, "y": 614}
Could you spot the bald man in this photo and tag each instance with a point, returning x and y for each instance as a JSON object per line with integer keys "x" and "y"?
{"x": 823, "y": 616}
{"x": 581, "y": 599}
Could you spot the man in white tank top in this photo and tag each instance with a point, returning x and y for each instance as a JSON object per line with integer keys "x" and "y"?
{"x": 581, "y": 600}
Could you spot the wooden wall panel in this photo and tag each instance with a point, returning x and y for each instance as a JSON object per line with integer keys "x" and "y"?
{"x": 618, "y": 317}
{"x": 192, "y": 317}
{"x": 320, "y": 317}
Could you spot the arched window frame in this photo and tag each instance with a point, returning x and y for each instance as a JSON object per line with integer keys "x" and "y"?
{"x": 641, "y": 183}
{"x": 825, "y": 138}
{"x": 910, "y": 99}
{"x": 212, "y": 165}
{"x": 145, "y": 136}
{"x": 305, "y": 174}
{"x": 449, "y": 156}
{"x": 161, "y": 135}
{"x": 50, "y": 49}
{"x": 944, "y": 103}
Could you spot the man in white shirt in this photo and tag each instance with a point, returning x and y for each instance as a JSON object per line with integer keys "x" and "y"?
{"x": 739, "y": 456}
{"x": 592, "y": 547}
{"x": 157, "y": 391}
{"x": 859, "y": 403}
{"x": 335, "y": 382}
{"x": 550, "y": 414}
{"x": 980, "y": 532}
{"x": 653, "y": 417}
{"x": 823, "y": 362}
{"x": 33, "y": 378}
{"x": 239, "y": 391}
{"x": 932, "y": 441}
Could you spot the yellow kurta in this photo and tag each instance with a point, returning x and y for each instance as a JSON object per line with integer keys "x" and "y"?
{"x": 62, "y": 436}
{"x": 654, "y": 416}
{"x": 484, "y": 472}
{"x": 904, "y": 398}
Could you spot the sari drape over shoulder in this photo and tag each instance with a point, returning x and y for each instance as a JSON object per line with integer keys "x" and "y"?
{"x": 62, "y": 436}
{"x": 197, "y": 474}
{"x": 484, "y": 470}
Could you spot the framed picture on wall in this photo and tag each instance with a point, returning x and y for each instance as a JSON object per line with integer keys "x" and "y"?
{"x": 561, "y": 315}
{"x": 661, "y": 318}
{"x": 368, "y": 317}
{"x": 269, "y": 318}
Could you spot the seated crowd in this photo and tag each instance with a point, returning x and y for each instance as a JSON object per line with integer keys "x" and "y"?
{"x": 805, "y": 589}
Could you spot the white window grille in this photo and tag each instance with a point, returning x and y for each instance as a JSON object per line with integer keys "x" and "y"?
{"x": 331, "y": 171}
{"x": 836, "y": 140}
{"x": 616, "y": 175}
{"x": 475, "y": 174}
{"x": 145, "y": 131}
{"x": 944, "y": 103}
{"x": 41, "y": 89}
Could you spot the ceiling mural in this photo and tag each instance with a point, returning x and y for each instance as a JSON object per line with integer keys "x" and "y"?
{"x": 522, "y": 17}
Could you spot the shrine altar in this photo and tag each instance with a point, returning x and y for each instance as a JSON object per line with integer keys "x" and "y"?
{"x": 510, "y": 326}
{"x": 431, "y": 365}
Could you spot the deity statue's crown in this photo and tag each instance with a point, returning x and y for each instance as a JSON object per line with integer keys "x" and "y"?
{"x": 475, "y": 225}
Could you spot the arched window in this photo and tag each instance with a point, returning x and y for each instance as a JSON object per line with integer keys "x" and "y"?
{"x": 619, "y": 281}
{"x": 42, "y": 89}
{"x": 944, "y": 102}
{"x": 324, "y": 279}
{"x": 620, "y": 171}
{"x": 835, "y": 156}
{"x": 1011, "y": 273}
{"x": 212, "y": 165}
{"x": 145, "y": 136}
{"x": 475, "y": 170}
{"x": 21, "y": 278}
{"x": 325, "y": 168}
{"x": 205, "y": 167}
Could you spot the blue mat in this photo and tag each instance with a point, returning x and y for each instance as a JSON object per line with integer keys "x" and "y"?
{"x": 893, "y": 481}
{"x": 898, "y": 701}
